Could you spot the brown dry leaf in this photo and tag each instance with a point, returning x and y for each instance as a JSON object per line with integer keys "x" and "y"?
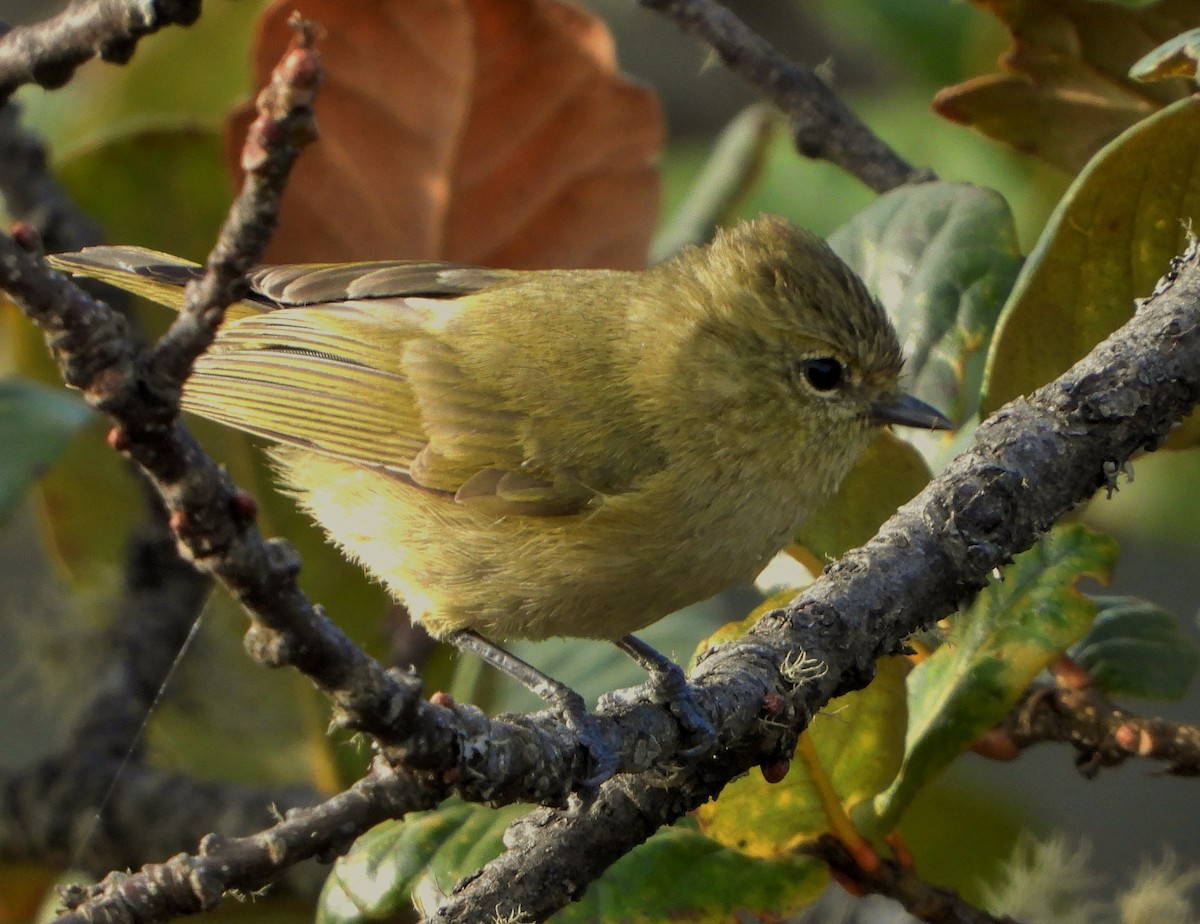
{"x": 1065, "y": 90}
{"x": 491, "y": 132}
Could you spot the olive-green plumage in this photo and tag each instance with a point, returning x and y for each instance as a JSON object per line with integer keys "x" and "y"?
{"x": 532, "y": 454}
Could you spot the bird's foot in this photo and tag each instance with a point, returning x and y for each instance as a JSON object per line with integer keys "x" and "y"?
{"x": 668, "y": 686}
{"x": 602, "y": 759}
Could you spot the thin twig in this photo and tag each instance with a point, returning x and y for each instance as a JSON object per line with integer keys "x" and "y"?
{"x": 48, "y": 52}
{"x": 823, "y": 127}
{"x": 1102, "y": 734}
{"x": 899, "y": 881}
{"x": 189, "y": 884}
{"x": 48, "y": 808}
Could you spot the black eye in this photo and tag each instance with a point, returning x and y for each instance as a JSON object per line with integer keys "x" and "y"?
{"x": 824, "y": 373}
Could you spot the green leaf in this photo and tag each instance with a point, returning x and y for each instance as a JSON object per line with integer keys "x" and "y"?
{"x": 163, "y": 187}
{"x": 994, "y": 650}
{"x": 942, "y": 258}
{"x": 677, "y": 875}
{"x": 1108, "y": 242}
{"x": 889, "y": 474}
{"x": 681, "y": 875}
{"x": 36, "y": 426}
{"x": 196, "y": 73}
{"x": 1138, "y": 649}
{"x": 376, "y": 879}
{"x": 859, "y": 741}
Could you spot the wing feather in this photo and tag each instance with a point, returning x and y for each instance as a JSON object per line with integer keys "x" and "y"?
{"x": 348, "y": 360}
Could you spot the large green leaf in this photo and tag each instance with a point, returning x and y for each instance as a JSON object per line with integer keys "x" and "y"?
{"x": 163, "y": 187}
{"x": 36, "y": 425}
{"x": 681, "y": 875}
{"x": 677, "y": 875}
{"x": 1111, "y": 238}
{"x": 941, "y": 257}
{"x": 1010, "y": 633}
{"x": 859, "y": 742}
{"x": 193, "y": 73}
{"x": 378, "y": 877}
{"x": 1138, "y": 649}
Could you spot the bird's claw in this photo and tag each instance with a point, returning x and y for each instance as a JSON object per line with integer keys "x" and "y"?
{"x": 602, "y": 759}
{"x": 697, "y": 730}
{"x": 669, "y": 687}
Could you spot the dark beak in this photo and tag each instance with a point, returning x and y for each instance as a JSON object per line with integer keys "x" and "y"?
{"x": 908, "y": 411}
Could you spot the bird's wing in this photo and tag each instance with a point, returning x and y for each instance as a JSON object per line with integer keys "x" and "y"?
{"x": 369, "y": 382}
{"x": 161, "y": 277}
{"x": 319, "y": 378}
{"x": 365, "y": 378}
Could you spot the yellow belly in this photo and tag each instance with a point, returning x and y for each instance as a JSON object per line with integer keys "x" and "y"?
{"x": 602, "y": 574}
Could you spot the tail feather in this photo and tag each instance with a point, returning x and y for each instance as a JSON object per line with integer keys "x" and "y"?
{"x": 151, "y": 274}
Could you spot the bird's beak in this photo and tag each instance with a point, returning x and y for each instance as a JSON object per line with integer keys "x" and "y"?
{"x": 909, "y": 412}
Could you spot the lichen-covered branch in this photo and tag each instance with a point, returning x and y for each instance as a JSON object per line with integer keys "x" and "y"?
{"x": 189, "y": 884}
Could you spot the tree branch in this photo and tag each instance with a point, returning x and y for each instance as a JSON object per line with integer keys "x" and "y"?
{"x": 899, "y": 881}
{"x": 189, "y": 884}
{"x": 823, "y": 127}
{"x": 48, "y": 52}
{"x": 1103, "y": 734}
{"x": 48, "y": 810}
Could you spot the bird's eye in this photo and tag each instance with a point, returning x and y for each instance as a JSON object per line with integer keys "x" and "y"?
{"x": 824, "y": 373}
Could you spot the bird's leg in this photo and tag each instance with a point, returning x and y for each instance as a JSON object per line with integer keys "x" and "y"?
{"x": 669, "y": 685}
{"x": 556, "y": 694}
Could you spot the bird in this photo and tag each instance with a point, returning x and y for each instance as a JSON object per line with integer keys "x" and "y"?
{"x": 524, "y": 454}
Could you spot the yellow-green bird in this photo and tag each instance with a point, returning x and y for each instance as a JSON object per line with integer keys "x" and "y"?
{"x": 520, "y": 454}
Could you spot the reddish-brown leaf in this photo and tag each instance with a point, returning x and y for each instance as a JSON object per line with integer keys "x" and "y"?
{"x": 1065, "y": 91}
{"x": 492, "y": 132}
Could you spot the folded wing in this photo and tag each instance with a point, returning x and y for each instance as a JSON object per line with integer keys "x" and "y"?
{"x": 342, "y": 359}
